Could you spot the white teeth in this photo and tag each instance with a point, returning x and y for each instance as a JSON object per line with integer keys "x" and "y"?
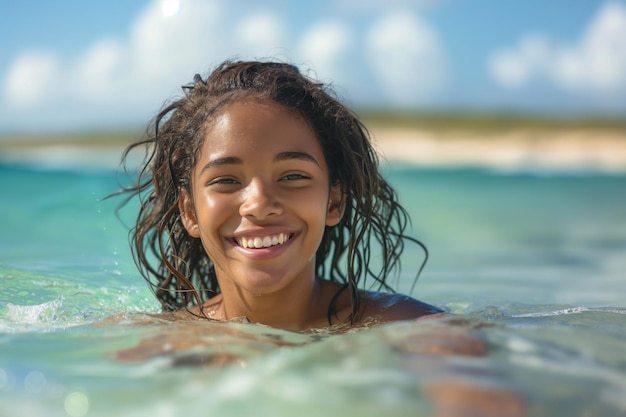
{"x": 263, "y": 242}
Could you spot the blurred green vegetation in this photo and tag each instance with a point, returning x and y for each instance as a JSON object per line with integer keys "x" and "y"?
{"x": 101, "y": 138}
{"x": 486, "y": 121}
{"x": 436, "y": 122}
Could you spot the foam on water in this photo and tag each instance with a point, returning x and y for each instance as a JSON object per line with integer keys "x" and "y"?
{"x": 33, "y": 314}
{"x": 40, "y": 318}
{"x": 570, "y": 310}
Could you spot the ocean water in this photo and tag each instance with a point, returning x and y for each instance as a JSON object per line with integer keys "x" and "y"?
{"x": 530, "y": 266}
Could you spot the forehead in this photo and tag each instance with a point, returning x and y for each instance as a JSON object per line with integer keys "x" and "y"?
{"x": 250, "y": 113}
{"x": 262, "y": 126}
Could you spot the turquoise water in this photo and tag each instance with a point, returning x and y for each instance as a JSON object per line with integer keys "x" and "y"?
{"x": 531, "y": 263}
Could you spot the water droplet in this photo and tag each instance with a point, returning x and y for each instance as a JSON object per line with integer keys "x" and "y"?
{"x": 35, "y": 382}
{"x": 77, "y": 404}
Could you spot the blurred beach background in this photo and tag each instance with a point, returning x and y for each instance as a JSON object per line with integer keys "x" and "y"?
{"x": 439, "y": 83}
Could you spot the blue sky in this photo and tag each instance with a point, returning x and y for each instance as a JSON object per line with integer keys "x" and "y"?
{"x": 76, "y": 64}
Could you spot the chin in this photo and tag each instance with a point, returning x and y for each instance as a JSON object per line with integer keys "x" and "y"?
{"x": 262, "y": 284}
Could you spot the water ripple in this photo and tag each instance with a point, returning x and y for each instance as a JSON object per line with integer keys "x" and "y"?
{"x": 570, "y": 310}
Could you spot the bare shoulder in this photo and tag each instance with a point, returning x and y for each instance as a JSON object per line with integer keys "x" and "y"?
{"x": 395, "y": 307}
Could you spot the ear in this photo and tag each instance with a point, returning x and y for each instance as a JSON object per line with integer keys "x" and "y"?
{"x": 336, "y": 205}
{"x": 188, "y": 214}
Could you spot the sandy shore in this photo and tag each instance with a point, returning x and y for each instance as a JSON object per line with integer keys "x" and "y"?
{"x": 515, "y": 149}
{"x": 575, "y": 149}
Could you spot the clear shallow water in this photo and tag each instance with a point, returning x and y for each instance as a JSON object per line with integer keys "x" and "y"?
{"x": 531, "y": 263}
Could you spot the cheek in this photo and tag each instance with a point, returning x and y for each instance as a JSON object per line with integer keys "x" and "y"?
{"x": 314, "y": 207}
{"x": 213, "y": 210}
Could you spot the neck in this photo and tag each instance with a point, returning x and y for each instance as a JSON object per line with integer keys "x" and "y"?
{"x": 295, "y": 308}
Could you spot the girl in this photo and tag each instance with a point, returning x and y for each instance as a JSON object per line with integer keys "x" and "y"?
{"x": 261, "y": 200}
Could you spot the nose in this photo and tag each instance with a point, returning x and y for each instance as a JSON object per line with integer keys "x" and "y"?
{"x": 260, "y": 201}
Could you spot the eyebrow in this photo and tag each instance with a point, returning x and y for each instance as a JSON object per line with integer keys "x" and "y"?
{"x": 282, "y": 156}
{"x": 228, "y": 160}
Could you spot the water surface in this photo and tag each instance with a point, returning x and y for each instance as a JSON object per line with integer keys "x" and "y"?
{"x": 531, "y": 263}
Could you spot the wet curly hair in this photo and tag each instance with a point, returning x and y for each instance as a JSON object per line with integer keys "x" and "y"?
{"x": 176, "y": 265}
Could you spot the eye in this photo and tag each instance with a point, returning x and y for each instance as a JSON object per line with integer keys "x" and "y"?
{"x": 222, "y": 182}
{"x": 294, "y": 177}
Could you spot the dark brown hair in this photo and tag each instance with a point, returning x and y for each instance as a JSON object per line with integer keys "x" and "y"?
{"x": 177, "y": 266}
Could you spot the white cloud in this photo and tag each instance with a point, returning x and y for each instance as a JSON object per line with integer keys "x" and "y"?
{"x": 326, "y": 46}
{"x": 603, "y": 48}
{"x": 98, "y": 71}
{"x": 596, "y": 64}
{"x": 170, "y": 7}
{"x": 126, "y": 79}
{"x": 163, "y": 49}
{"x": 31, "y": 78}
{"x": 166, "y": 47}
{"x": 406, "y": 55}
{"x": 514, "y": 68}
{"x": 168, "y": 42}
{"x": 259, "y": 35}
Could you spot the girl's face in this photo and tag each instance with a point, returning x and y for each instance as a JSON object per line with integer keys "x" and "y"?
{"x": 260, "y": 198}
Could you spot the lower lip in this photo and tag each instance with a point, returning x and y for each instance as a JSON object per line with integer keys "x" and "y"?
{"x": 264, "y": 253}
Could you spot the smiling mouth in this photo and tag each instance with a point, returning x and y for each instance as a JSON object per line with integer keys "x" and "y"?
{"x": 259, "y": 242}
